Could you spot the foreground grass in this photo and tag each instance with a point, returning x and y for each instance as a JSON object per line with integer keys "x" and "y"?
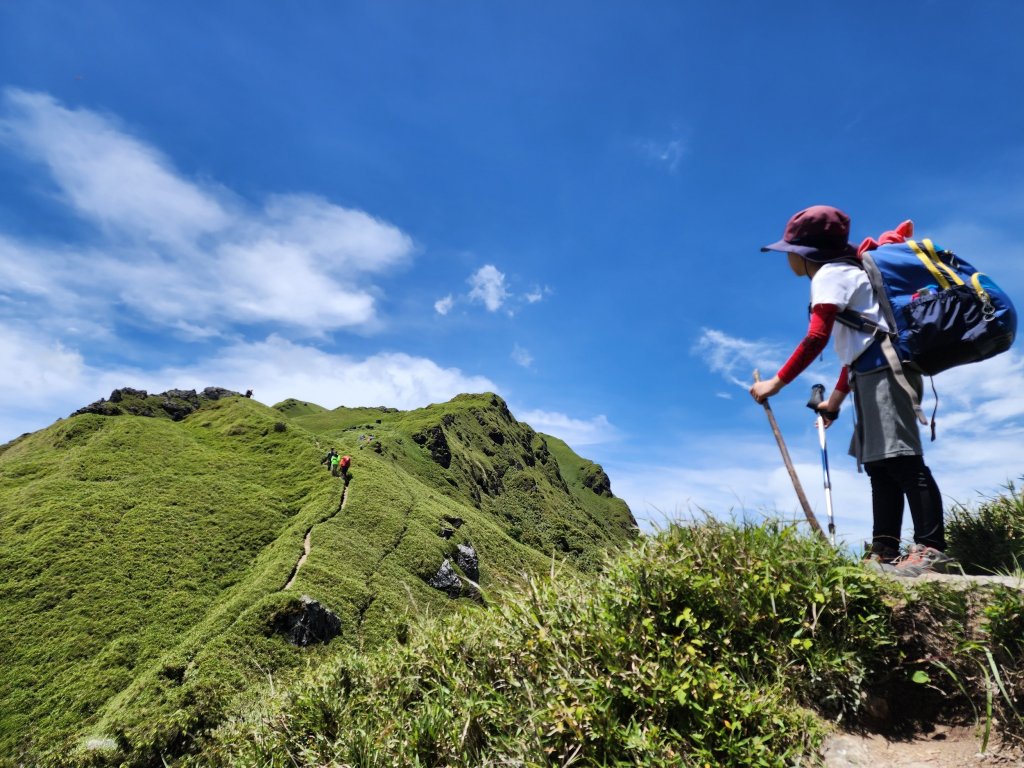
{"x": 702, "y": 646}
{"x": 712, "y": 645}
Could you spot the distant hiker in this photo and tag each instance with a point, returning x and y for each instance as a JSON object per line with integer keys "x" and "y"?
{"x": 344, "y": 463}
{"x": 885, "y": 436}
{"x": 248, "y": 393}
{"x": 330, "y": 460}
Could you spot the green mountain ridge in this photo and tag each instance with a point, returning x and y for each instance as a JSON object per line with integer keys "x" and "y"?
{"x": 148, "y": 540}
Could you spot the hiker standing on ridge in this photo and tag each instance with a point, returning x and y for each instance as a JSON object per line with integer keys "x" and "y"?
{"x": 885, "y": 438}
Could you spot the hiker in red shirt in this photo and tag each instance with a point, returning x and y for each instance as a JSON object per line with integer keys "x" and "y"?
{"x": 343, "y": 464}
{"x": 886, "y": 438}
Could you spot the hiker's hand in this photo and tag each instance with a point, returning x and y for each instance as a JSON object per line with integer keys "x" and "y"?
{"x": 762, "y": 390}
{"x": 828, "y": 415}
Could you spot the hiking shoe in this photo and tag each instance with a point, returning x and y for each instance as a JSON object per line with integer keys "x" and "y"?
{"x": 923, "y": 559}
{"x": 876, "y": 561}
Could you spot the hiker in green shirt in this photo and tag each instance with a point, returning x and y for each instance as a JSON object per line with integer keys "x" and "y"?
{"x": 335, "y": 459}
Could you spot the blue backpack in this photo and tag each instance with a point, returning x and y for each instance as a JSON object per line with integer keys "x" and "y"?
{"x": 942, "y": 312}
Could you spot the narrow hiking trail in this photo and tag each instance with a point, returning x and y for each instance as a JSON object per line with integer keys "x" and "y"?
{"x": 307, "y": 543}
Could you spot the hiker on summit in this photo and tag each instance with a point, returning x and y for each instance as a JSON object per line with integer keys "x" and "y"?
{"x": 885, "y": 436}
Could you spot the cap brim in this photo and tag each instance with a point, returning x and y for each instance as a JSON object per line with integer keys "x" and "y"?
{"x": 810, "y": 252}
{"x": 782, "y": 246}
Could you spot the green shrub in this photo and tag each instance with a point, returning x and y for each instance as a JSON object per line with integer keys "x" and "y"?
{"x": 990, "y": 538}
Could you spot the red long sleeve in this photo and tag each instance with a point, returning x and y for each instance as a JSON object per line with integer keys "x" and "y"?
{"x": 823, "y": 317}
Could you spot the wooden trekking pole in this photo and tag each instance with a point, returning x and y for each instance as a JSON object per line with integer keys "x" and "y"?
{"x": 808, "y": 512}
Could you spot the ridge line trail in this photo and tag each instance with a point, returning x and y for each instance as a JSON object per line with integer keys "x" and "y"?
{"x": 307, "y": 544}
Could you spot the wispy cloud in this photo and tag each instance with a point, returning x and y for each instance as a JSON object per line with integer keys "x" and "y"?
{"x": 168, "y": 248}
{"x": 735, "y": 358}
{"x": 488, "y": 287}
{"x": 444, "y": 306}
{"x": 667, "y": 154}
{"x": 576, "y": 432}
{"x": 522, "y": 356}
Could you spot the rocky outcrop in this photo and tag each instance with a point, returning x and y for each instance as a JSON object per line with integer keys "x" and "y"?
{"x": 176, "y": 403}
{"x": 446, "y": 580}
{"x": 434, "y": 441}
{"x": 595, "y": 478}
{"x": 306, "y": 622}
{"x": 466, "y": 558}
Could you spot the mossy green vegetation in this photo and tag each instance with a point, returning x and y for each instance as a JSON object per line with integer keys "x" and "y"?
{"x": 146, "y": 545}
{"x": 711, "y": 644}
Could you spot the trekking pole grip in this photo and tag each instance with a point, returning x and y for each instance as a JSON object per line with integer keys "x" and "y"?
{"x": 817, "y": 398}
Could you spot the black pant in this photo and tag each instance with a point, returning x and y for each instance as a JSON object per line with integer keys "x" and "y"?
{"x": 891, "y": 481}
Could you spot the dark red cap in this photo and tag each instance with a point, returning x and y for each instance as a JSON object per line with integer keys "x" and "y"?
{"x": 820, "y": 233}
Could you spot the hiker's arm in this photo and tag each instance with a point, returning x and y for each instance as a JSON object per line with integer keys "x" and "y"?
{"x": 823, "y": 317}
{"x": 835, "y": 400}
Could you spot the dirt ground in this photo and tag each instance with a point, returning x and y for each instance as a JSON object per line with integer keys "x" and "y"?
{"x": 945, "y": 747}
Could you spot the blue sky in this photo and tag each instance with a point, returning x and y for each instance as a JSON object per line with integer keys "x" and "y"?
{"x": 389, "y": 203}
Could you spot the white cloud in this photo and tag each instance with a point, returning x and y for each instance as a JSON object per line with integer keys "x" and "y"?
{"x": 106, "y": 175}
{"x": 179, "y": 253}
{"x": 522, "y": 356}
{"x": 575, "y": 432}
{"x": 488, "y": 287}
{"x": 736, "y": 359}
{"x": 537, "y": 294}
{"x": 444, "y": 306}
{"x": 277, "y": 369}
{"x": 52, "y": 380}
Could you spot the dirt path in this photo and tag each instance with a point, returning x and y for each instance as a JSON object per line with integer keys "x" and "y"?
{"x": 945, "y": 747}
{"x": 307, "y": 543}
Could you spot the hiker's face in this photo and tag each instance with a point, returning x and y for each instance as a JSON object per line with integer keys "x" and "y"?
{"x": 797, "y": 264}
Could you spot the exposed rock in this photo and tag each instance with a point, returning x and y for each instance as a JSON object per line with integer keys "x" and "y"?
{"x": 435, "y": 442}
{"x": 102, "y": 407}
{"x": 446, "y": 580}
{"x": 446, "y": 533}
{"x": 307, "y": 622}
{"x": 216, "y": 393}
{"x": 595, "y": 479}
{"x": 176, "y": 409}
{"x": 176, "y": 403}
{"x": 455, "y": 522}
{"x": 119, "y": 394}
{"x": 497, "y": 436}
{"x": 183, "y": 394}
{"x": 466, "y": 558}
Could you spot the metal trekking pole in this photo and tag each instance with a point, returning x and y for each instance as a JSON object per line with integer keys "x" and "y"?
{"x": 808, "y": 512}
{"x": 817, "y": 397}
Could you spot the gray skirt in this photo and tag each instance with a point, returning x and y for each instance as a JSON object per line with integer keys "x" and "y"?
{"x": 886, "y": 423}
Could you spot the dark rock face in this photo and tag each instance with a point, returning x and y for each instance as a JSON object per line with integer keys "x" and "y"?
{"x": 455, "y": 522}
{"x": 119, "y": 394}
{"x": 446, "y": 580}
{"x": 597, "y": 481}
{"x": 216, "y": 393}
{"x": 102, "y": 407}
{"x": 435, "y": 442}
{"x": 466, "y": 558}
{"x": 307, "y": 622}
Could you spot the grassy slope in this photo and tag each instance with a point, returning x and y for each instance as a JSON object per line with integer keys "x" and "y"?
{"x": 710, "y": 645}
{"x": 144, "y": 558}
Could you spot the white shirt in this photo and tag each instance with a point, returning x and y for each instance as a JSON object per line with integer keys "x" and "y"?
{"x": 847, "y": 287}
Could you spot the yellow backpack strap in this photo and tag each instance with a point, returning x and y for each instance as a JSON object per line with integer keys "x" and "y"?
{"x": 930, "y": 249}
{"x": 931, "y": 265}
